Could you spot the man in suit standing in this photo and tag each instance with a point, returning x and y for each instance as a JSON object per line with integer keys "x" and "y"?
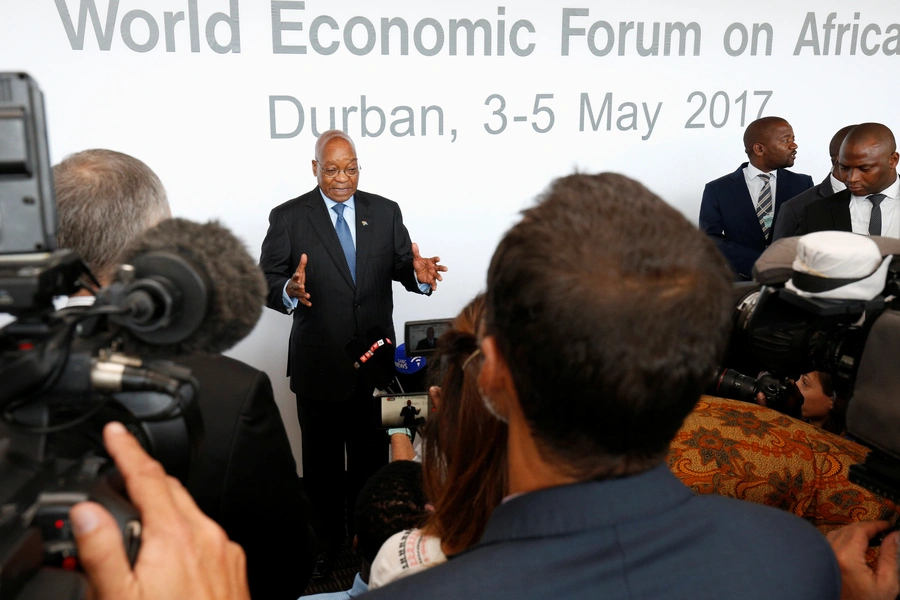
{"x": 329, "y": 258}
{"x": 409, "y": 414}
{"x": 868, "y": 164}
{"x": 739, "y": 210}
{"x": 245, "y": 477}
{"x": 593, "y": 510}
{"x": 428, "y": 342}
{"x": 789, "y": 215}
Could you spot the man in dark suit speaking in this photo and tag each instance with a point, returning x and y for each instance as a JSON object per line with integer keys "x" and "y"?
{"x": 329, "y": 258}
{"x": 868, "y": 164}
{"x": 739, "y": 210}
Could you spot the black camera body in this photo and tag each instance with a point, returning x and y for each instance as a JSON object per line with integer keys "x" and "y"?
{"x": 63, "y": 375}
{"x": 729, "y": 383}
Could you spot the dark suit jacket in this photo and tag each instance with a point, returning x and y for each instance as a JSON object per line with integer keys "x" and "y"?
{"x": 245, "y": 477}
{"x": 425, "y": 345}
{"x": 827, "y": 214}
{"x": 646, "y": 536}
{"x": 790, "y": 213}
{"x": 340, "y": 311}
{"x": 728, "y": 215}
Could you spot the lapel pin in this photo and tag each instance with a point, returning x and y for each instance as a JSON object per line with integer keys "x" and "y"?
{"x": 364, "y": 223}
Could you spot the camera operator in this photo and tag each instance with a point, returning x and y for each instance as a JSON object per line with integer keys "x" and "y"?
{"x": 811, "y": 397}
{"x": 245, "y": 477}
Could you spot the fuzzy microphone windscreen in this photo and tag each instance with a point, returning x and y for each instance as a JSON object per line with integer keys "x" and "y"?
{"x": 235, "y": 283}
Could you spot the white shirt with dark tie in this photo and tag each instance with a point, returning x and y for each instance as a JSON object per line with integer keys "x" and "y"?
{"x": 755, "y": 183}
{"x": 861, "y": 212}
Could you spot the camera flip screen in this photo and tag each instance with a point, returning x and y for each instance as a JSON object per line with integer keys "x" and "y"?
{"x": 422, "y": 336}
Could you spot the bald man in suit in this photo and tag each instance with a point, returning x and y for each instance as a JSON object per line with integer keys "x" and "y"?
{"x": 739, "y": 210}
{"x": 869, "y": 206}
{"x": 330, "y": 257}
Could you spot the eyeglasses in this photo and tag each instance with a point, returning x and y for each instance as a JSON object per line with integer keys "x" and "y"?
{"x": 331, "y": 172}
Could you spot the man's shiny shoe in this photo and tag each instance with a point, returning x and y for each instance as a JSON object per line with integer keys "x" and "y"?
{"x": 322, "y": 569}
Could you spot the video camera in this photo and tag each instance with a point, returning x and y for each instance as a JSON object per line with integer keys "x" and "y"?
{"x": 856, "y": 341}
{"x": 63, "y": 374}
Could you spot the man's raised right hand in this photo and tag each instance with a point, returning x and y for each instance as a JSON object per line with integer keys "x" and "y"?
{"x": 296, "y": 287}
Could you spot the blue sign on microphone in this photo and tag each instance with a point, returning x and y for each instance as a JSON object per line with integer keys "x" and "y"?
{"x": 407, "y": 365}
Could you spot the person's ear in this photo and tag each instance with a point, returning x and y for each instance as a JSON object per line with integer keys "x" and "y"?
{"x": 315, "y": 168}
{"x": 495, "y": 381}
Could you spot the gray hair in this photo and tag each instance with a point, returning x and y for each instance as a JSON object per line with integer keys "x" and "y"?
{"x": 104, "y": 200}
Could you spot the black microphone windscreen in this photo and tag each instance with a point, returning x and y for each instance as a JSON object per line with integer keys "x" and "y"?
{"x": 383, "y": 353}
{"x": 237, "y": 288}
{"x": 366, "y": 358}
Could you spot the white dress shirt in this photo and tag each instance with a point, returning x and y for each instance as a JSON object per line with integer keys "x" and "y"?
{"x": 755, "y": 183}
{"x": 861, "y": 212}
{"x": 836, "y": 185}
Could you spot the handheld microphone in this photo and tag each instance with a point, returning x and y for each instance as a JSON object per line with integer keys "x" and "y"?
{"x": 188, "y": 287}
{"x": 383, "y": 351}
{"x": 368, "y": 359}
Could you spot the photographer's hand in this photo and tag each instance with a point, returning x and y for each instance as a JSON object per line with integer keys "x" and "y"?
{"x": 858, "y": 581}
{"x": 761, "y": 399}
{"x": 184, "y": 554}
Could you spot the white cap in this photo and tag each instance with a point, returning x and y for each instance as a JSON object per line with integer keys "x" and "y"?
{"x": 838, "y": 265}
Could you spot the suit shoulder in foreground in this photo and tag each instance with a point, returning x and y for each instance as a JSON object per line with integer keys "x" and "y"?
{"x": 245, "y": 477}
{"x": 645, "y": 536}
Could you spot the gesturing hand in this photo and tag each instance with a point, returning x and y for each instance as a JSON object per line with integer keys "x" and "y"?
{"x": 184, "y": 553}
{"x": 296, "y": 287}
{"x": 427, "y": 269}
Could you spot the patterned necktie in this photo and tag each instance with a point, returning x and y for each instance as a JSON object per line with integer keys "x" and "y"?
{"x": 343, "y": 233}
{"x": 875, "y": 218}
{"x": 764, "y": 206}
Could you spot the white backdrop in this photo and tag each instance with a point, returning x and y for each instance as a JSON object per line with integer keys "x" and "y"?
{"x": 209, "y": 94}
